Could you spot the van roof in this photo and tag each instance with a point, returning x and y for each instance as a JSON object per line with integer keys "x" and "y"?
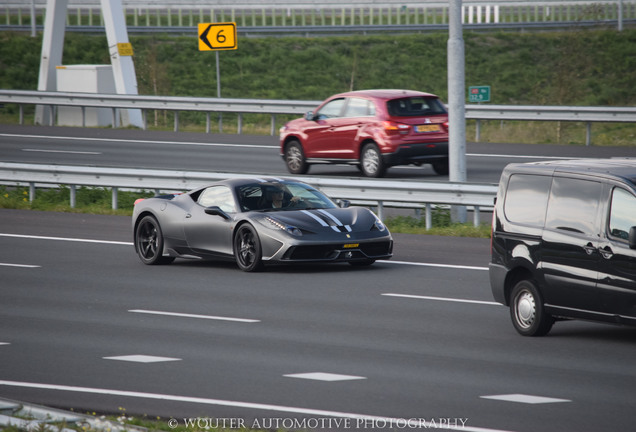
{"x": 622, "y": 168}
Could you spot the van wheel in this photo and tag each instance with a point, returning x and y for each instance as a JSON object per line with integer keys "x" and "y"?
{"x": 527, "y": 312}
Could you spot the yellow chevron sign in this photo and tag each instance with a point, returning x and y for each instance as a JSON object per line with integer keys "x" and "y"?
{"x": 217, "y": 36}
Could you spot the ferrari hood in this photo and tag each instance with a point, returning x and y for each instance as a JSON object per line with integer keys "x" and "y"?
{"x": 333, "y": 219}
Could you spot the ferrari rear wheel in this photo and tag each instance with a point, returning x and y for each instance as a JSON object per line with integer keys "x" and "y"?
{"x": 149, "y": 242}
{"x": 247, "y": 249}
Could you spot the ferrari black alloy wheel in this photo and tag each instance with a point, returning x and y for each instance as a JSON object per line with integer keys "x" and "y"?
{"x": 149, "y": 242}
{"x": 247, "y": 249}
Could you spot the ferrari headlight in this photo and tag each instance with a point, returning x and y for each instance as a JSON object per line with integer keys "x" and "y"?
{"x": 379, "y": 225}
{"x": 290, "y": 229}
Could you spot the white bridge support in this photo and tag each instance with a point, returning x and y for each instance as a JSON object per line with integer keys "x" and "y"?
{"x": 53, "y": 46}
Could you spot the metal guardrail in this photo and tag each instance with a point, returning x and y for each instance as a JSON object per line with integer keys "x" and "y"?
{"x": 296, "y": 107}
{"x": 379, "y": 193}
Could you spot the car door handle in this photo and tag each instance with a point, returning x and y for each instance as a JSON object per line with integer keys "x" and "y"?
{"x": 188, "y": 216}
{"x": 606, "y": 252}
{"x": 589, "y": 248}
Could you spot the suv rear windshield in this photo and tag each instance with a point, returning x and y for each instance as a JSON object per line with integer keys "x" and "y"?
{"x": 415, "y": 106}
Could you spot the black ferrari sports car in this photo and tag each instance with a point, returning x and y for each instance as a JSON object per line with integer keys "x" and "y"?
{"x": 257, "y": 221}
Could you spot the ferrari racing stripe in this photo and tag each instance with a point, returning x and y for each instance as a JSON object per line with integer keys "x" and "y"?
{"x": 335, "y": 219}
{"x": 319, "y": 220}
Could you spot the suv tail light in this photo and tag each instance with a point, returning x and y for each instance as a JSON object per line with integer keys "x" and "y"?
{"x": 445, "y": 125}
{"x": 394, "y": 127}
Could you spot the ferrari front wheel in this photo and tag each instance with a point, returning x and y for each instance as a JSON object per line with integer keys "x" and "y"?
{"x": 149, "y": 242}
{"x": 247, "y": 249}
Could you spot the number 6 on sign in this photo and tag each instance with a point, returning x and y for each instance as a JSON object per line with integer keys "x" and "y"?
{"x": 217, "y": 36}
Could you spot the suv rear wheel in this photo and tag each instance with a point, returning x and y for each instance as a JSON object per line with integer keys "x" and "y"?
{"x": 441, "y": 166}
{"x": 527, "y": 311}
{"x": 371, "y": 163}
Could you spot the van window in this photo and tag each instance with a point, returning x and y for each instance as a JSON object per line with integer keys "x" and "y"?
{"x": 573, "y": 205}
{"x": 526, "y": 199}
{"x": 622, "y": 213}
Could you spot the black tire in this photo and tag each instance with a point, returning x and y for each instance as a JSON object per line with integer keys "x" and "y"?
{"x": 441, "y": 167}
{"x": 527, "y": 312}
{"x": 295, "y": 158}
{"x": 371, "y": 162}
{"x": 149, "y": 242}
{"x": 247, "y": 249}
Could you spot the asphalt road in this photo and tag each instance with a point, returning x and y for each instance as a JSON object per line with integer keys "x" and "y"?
{"x": 417, "y": 337}
{"x": 240, "y": 153}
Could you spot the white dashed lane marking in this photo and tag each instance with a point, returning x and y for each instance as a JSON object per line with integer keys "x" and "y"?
{"x": 527, "y": 399}
{"x": 322, "y": 376}
{"x": 138, "y": 358}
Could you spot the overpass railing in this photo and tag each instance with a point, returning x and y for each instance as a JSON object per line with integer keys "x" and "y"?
{"x": 588, "y": 115}
{"x": 377, "y": 193}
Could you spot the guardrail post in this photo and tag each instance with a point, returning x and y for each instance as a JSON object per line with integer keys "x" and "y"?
{"x": 176, "y": 121}
{"x": 144, "y": 116}
{"x": 21, "y": 114}
{"x": 476, "y": 216}
{"x": 381, "y": 210}
{"x": 83, "y": 116}
{"x": 52, "y": 117}
{"x": 207, "y": 122}
{"x": 477, "y": 130}
{"x": 114, "y": 117}
{"x": 588, "y": 133}
{"x": 31, "y": 191}
{"x": 429, "y": 216}
{"x": 240, "y": 124}
{"x": 115, "y": 200}
{"x": 73, "y": 195}
{"x": 272, "y": 129}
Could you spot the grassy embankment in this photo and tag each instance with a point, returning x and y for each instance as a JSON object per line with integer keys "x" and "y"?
{"x": 577, "y": 67}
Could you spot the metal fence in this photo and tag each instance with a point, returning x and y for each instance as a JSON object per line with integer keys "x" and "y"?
{"x": 114, "y": 102}
{"x": 376, "y": 193}
{"x": 327, "y": 13}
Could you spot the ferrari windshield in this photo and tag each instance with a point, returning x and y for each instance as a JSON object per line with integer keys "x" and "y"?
{"x": 271, "y": 196}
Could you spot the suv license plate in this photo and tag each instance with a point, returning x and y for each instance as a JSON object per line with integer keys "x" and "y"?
{"x": 427, "y": 128}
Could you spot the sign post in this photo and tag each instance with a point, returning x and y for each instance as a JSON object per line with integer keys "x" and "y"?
{"x": 217, "y": 37}
{"x": 478, "y": 94}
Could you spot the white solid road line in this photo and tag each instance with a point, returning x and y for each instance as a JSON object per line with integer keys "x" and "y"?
{"x": 187, "y": 315}
{"x": 446, "y": 299}
{"x": 142, "y": 141}
{"x": 365, "y": 419}
{"x": 131, "y": 244}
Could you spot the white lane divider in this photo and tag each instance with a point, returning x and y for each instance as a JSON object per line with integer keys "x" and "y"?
{"x": 187, "y": 315}
{"x": 446, "y": 299}
{"x": 19, "y": 265}
{"x": 365, "y": 419}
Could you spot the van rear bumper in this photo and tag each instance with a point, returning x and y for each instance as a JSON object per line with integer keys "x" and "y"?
{"x": 497, "y": 274}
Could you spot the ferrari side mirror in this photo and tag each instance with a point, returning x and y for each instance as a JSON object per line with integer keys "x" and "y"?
{"x": 216, "y": 211}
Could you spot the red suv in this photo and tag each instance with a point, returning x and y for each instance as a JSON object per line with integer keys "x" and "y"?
{"x": 373, "y": 129}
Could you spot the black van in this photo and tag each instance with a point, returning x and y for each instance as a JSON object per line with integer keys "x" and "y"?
{"x": 564, "y": 242}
